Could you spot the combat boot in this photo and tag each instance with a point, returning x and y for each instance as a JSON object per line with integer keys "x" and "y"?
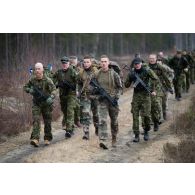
{"x": 86, "y": 132}
{"x": 103, "y": 145}
{"x": 146, "y": 135}
{"x": 156, "y": 126}
{"x": 46, "y": 142}
{"x": 68, "y": 134}
{"x": 34, "y": 142}
{"x": 86, "y": 136}
{"x": 136, "y": 138}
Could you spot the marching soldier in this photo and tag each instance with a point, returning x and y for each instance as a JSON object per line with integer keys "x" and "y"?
{"x": 141, "y": 103}
{"x": 88, "y": 101}
{"x": 65, "y": 79}
{"x": 110, "y": 81}
{"x": 42, "y": 89}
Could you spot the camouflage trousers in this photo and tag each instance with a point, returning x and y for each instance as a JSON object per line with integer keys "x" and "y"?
{"x": 88, "y": 105}
{"x": 165, "y": 102}
{"x": 85, "y": 111}
{"x": 105, "y": 109}
{"x": 141, "y": 106}
{"x": 68, "y": 104}
{"x": 178, "y": 82}
{"x": 156, "y": 108}
{"x": 94, "y": 109}
{"x": 46, "y": 112}
{"x": 192, "y": 75}
{"x": 77, "y": 111}
{"x": 187, "y": 81}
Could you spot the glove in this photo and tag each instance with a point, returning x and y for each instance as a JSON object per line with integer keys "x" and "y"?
{"x": 171, "y": 91}
{"x": 31, "y": 91}
{"x": 186, "y": 69}
{"x": 49, "y": 101}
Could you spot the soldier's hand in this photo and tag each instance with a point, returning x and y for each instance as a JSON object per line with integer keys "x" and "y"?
{"x": 31, "y": 91}
{"x": 153, "y": 93}
{"x": 185, "y": 69}
{"x": 49, "y": 101}
{"x": 171, "y": 91}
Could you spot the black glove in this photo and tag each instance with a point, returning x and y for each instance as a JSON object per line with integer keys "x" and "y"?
{"x": 171, "y": 91}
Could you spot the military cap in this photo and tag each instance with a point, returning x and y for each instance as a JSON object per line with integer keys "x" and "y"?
{"x": 137, "y": 61}
{"x": 64, "y": 59}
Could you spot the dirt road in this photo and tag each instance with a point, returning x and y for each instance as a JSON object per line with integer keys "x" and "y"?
{"x": 17, "y": 149}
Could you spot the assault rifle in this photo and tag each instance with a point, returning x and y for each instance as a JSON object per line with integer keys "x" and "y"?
{"x": 67, "y": 85}
{"x": 139, "y": 80}
{"x": 38, "y": 95}
{"x": 102, "y": 92}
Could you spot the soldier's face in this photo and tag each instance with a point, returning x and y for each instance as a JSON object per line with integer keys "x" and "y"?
{"x": 137, "y": 66}
{"x": 152, "y": 59}
{"x": 65, "y": 65}
{"x": 39, "y": 72}
{"x": 86, "y": 63}
{"x": 104, "y": 63}
{"x": 74, "y": 62}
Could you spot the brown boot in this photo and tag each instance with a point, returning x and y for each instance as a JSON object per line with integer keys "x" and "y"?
{"x": 34, "y": 142}
{"x": 46, "y": 142}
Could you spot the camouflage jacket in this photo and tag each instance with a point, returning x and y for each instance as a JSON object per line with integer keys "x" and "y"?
{"x": 110, "y": 81}
{"x": 178, "y": 65}
{"x": 70, "y": 76}
{"x": 44, "y": 87}
{"x": 145, "y": 74}
{"x": 162, "y": 72}
{"x": 84, "y": 78}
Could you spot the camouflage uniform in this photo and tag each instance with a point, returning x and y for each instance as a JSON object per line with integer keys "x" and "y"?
{"x": 111, "y": 82}
{"x": 141, "y": 103}
{"x": 192, "y": 75}
{"x": 88, "y": 102}
{"x": 77, "y": 105}
{"x": 178, "y": 65}
{"x": 162, "y": 86}
{"x": 67, "y": 96}
{"x": 41, "y": 107}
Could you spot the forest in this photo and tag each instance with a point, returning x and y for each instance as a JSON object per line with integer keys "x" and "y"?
{"x": 19, "y": 49}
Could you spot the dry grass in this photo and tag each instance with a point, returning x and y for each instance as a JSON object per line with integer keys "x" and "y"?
{"x": 184, "y": 127}
{"x": 15, "y": 104}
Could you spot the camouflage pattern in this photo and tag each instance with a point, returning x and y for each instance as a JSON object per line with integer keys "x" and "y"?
{"x": 39, "y": 108}
{"x": 111, "y": 82}
{"x": 67, "y": 96}
{"x": 88, "y": 101}
{"x": 178, "y": 65}
{"x": 77, "y": 108}
{"x": 163, "y": 85}
{"x": 141, "y": 103}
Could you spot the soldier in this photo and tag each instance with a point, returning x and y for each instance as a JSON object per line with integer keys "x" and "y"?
{"x": 141, "y": 103}
{"x": 42, "y": 89}
{"x": 188, "y": 72}
{"x": 73, "y": 64}
{"x": 88, "y": 101}
{"x": 180, "y": 65}
{"x": 162, "y": 86}
{"x": 167, "y": 86}
{"x": 162, "y": 58}
{"x": 136, "y": 56}
{"x": 110, "y": 81}
{"x": 65, "y": 79}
